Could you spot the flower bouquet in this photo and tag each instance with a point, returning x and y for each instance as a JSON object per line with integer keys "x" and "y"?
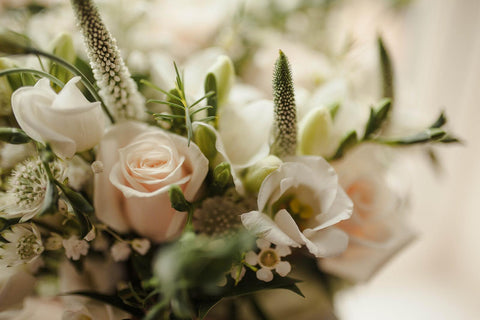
{"x": 186, "y": 195}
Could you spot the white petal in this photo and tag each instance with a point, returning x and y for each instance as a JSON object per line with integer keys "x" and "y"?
{"x": 264, "y": 275}
{"x": 263, "y": 244}
{"x": 283, "y": 268}
{"x": 341, "y": 209}
{"x": 261, "y": 224}
{"x": 326, "y": 243}
{"x": 251, "y": 258}
{"x": 283, "y": 251}
{"x": 287, "y": 224}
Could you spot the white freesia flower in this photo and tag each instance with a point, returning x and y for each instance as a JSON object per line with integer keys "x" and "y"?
{"x": 140, "y": 164}
{"x": 74, "y": 247}
{"x": 298, "y": 203}
{"x": 377, "y": 228}
{"x": 67, "y": 120}
{"x": 24, "y": 245}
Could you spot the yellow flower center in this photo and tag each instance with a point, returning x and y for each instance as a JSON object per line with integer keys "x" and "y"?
{"x": 268, "y": 258}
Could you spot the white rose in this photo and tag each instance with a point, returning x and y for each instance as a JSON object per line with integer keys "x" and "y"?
{"x": 140, "y": 164}
{"x": 298, "y": 203}
{"x": 67, "y": 120}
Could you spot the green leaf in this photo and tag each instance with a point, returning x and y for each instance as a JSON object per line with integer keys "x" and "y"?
{"x": 387, "y": 70}
{"x": 333, "y": 108}
{"x": 426, "y": 136}
{"x": 6, "y": 223}
{"x": 108, "y": 299}
{"x": 348, "y": 142}
{"x": 76, "y": 199}
{"x": 377, "y": 118}
{"x": 440, "y": 121}
{"x": 13, "y": 136}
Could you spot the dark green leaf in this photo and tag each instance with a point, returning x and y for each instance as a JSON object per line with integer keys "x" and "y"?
{"x": 108, "y": 299}
{"x": 387, "y": 70}
{"x": 349, "y": 141}
{"x": 13, "y": 136}
{"x": 77, "y": 201}
{"x": 440, "y": 121}
{"x": 377, "y": 118}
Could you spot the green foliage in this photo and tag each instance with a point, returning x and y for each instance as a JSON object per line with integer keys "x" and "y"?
{"x": 387, "y": 70}
{"x": 349, "y": 141}
{"x": 13, "y": 136}
{"x": 377, "y": 118}
{"x": 181, "y": 109}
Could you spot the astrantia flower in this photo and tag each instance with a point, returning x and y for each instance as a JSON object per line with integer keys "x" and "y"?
{"x": 74, "y": 247}
{"x": 298, "y": 203}
{"x": 269, "y": 259}
{"x": 221, "y": 215}
{"x": 23, "y": 246}
{"x": 27, "y": 187}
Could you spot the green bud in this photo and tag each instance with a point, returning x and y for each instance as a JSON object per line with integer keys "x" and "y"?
{"x": 205, "y": 139}
{"x": 224, "y": 73}
{"x": 177, "y": 199}
{"x": 13, "y": 43}
{"x": 255, "y": 174}
{"x": 222, "y": 175}
{"x": 63, "y": 48}
{"x": 314, "y": 133}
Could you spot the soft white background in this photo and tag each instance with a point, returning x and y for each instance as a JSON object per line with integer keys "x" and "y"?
{"x": 437, "y": 56}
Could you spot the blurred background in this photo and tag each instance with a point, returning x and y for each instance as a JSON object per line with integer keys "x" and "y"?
{"x": 435, "y": 46}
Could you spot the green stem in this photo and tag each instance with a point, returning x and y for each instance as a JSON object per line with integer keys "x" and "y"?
{"x": 54, "y": 79}
{"x": 77, "y": 72}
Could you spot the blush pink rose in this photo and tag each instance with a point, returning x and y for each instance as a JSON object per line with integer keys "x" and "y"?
{"x": 141, "y": 162}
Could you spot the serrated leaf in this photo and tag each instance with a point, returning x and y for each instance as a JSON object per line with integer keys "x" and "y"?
{"x": 108, "y": 299}
{"x": 14, "y": 136}
{"x": 349, "y": 141}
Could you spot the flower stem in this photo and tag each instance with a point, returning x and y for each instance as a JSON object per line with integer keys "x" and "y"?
{"x": 54, "y": 79}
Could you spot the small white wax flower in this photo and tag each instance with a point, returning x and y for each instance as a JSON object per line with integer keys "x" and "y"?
{"x": 23, "y": 246}
{"x": 97, "y": 166}
{"x": 54, "y": 242}
{"x": 74, "y": 247}
{"x": 90, "y": 235}
{"x": 141, "y": 245}
{"x": 120, "y": 251}
{"x": 269, "y": 259}
{"x": 237, "y": 272}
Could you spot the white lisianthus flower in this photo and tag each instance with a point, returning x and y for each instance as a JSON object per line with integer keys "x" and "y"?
{"x": 67, "y": 120}
{"x": 74, "y": 247}
{"x": 24, "y": 245}
{"x": 298, "y": 203}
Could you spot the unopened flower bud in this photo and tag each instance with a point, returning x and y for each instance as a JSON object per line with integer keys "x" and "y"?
{"x": 177, "y": 199}
{"x": 13, "y": 43}
{"x": 97, "y": 166}
{"x": 255, "y": 175}
{"x": 314, "y": 133}
{"x": 205, "y": 139}
{"x": 54, "y": 242}
{"x": 222, "y": 175}
{"x": 224, "y": 74}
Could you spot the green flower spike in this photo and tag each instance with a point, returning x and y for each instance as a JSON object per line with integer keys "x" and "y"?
{"x": 285, "y": 119}
{"x": 117, "y": 88}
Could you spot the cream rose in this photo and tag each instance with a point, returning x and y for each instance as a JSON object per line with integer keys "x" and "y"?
{"x": 67, "y": 120}
{"x": 140, "y": 164}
